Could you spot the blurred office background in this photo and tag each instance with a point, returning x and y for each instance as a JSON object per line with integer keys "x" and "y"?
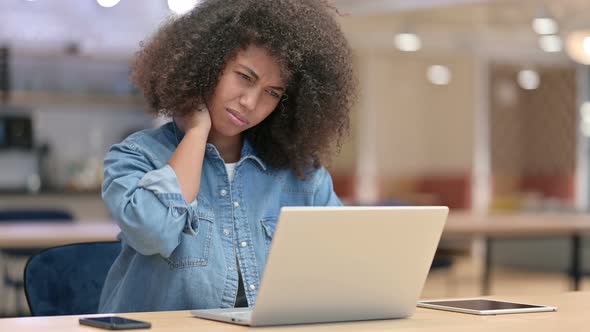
{"x": 483, "y": 106}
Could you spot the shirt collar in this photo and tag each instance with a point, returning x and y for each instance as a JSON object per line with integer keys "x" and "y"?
{"x": 247, "y": 152}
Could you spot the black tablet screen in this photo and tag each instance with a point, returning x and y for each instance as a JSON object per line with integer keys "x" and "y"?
{"x": 480, "y": 304}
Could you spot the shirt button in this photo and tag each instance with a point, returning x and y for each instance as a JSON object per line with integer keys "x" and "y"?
{"x": 230, "y": 268}
{"x": 223, "y": 192}
{"x": 210, "y": 149}
{"x": 236, "y": 204}
{"x": 252, "y": 287}
{"x": 226, "y": 232}
{"x": 244, "y": 244}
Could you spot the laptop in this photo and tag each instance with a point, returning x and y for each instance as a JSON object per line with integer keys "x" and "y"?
{"x": 335, "y": 264}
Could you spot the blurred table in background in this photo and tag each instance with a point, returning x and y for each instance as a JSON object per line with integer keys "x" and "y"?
{"x": 43, "y": 235}
{"x": 521, "y": 225}
{"x": 465, "y": 225}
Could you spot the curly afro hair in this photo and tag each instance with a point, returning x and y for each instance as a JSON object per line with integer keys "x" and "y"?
{"x": 180, "y": 66}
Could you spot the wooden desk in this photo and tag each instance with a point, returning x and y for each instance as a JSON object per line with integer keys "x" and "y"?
{"x": 572, "y": 315}
{"x": 49, "y": 234}
{"x": 491, "y": 227}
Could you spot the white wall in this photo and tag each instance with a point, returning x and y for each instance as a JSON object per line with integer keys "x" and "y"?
{"x": 419, "y": 127}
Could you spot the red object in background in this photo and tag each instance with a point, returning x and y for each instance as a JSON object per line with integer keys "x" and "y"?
{"x": 453, "y": 191}
{"x": 344, "y": 185}
{"x": 560, "y": 186}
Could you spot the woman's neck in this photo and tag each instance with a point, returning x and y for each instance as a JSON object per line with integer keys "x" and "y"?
{"x": 230, "y": 148}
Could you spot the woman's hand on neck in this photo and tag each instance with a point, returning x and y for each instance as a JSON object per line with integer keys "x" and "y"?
{"x": 187, "y": 159}
{"x": 199, "y": 120}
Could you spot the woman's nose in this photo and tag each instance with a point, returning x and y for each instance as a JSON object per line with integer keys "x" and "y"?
{"x": 249, "y": 98}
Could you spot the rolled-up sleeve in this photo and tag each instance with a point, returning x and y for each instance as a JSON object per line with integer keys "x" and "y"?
{"x": 324, "y": 194}
{"x": 147, "y": 203}
{"x": 161, "y": 181}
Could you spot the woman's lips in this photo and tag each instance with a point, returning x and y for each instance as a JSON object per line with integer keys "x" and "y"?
{"x": 236, "y": 118}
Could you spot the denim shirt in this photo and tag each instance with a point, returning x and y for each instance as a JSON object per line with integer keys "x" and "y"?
{"x": 177, "y": 255}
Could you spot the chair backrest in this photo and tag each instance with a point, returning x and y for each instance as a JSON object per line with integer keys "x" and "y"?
{"x": 57, "y": 215}
{"x": 67, "y": 280}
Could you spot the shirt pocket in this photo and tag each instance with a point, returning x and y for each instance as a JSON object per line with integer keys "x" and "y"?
{"x": 269, "y": 225}
{"x": 194, "y": 247}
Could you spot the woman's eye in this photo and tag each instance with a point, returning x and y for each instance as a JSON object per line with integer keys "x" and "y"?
{"x": 244, "y": 76}
{"x": 273, "y": 94}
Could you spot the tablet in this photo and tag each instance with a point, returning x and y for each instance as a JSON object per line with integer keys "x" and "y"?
{"x": 478, "y": 306}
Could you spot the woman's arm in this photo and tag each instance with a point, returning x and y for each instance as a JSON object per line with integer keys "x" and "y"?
{"x": 187, "y": 160}
{"x": 152, "y": 206}
{"x": 145, "y": 201}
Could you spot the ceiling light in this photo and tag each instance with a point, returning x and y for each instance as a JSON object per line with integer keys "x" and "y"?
{"x": 407, "y": 42}
{"x": 181, "y": 7}
{"x": 550, "y": 43}
{"x": 438, "y": 75}
{"x": 578, "y": 46}
{"x": 586, "y": 45}
{"x": 528, "y": 79}
{"x": 585, "y": 112}
{"x": 545, "y": 26}
{"x": 107, "y": 3}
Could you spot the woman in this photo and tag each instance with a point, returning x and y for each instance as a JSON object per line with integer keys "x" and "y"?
{"x": 260, "y": 93}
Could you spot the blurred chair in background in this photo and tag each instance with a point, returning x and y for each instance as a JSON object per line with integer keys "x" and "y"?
{"x": 67, "y": 280}
{"x": 13, "y": 258}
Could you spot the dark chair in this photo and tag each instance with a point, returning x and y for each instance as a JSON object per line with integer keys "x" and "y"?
{"x": 67, "y": 280}
{"x": 441, "y": 262}
{"x": 12, "y": 281}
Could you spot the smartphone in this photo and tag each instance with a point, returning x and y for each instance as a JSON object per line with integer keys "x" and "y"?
{"x": 114, "y": 323}
{"x": 478, "y": 306}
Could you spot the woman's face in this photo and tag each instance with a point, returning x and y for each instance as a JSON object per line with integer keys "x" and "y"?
{"x": 249, "y": 89}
